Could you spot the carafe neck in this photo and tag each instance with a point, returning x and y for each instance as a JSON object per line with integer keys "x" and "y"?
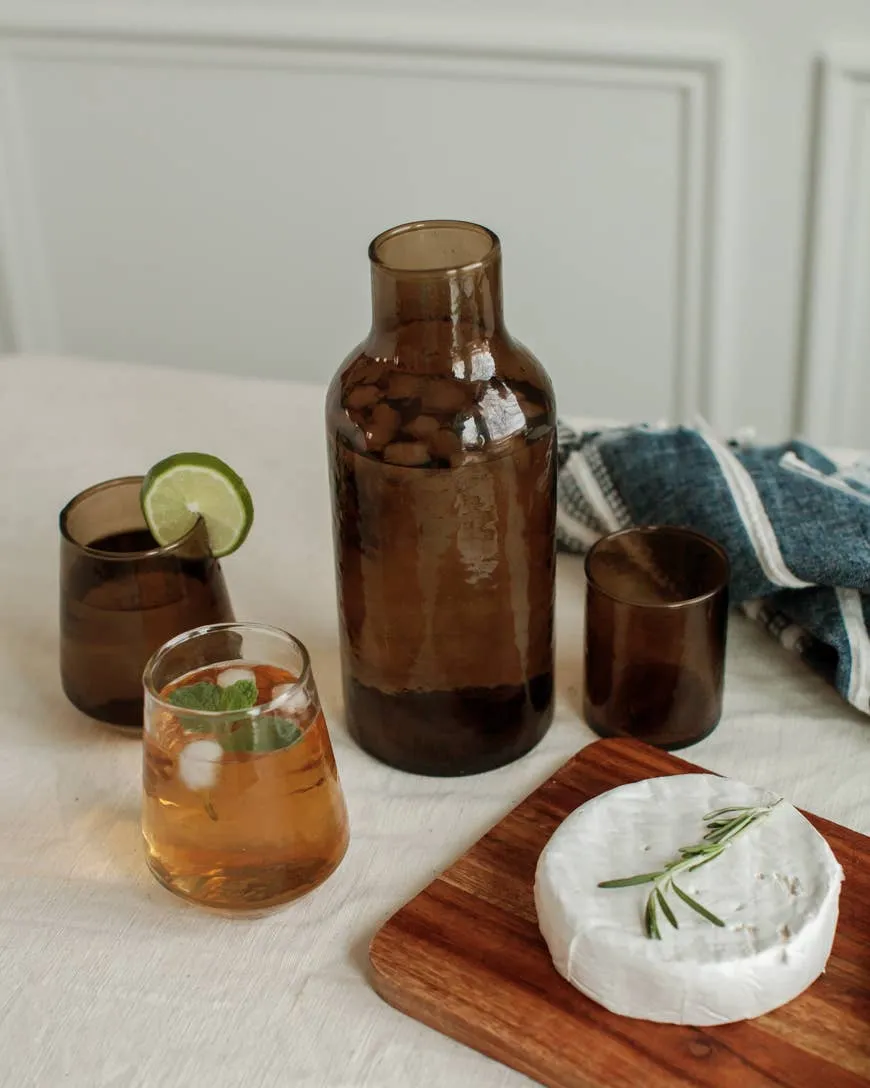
{"x": 438, "y": 271}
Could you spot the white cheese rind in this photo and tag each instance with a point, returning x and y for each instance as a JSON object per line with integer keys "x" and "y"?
{"x": 777, "y": 888}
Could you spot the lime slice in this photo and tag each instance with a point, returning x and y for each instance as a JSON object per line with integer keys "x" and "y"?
{"x": 185, "y": 486}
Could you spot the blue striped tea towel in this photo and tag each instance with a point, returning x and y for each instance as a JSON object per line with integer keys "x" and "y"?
{"x": 795, "y": 525}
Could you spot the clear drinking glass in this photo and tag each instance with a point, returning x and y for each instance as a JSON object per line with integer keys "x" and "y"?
{"x": 122, "y": 596}
{"x": 242, "y": 809}
{"x": 656, "y": 620}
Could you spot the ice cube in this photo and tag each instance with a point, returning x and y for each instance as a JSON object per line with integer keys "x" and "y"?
{"x": 297, "y": 702}
{"x": 406, "y": 453}
{"x": 199, "y": 764}
{"x": 228, "y": 677}
{"x": 166, "y": 731}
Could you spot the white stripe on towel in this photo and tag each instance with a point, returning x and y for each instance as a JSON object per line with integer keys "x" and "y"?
{"x": 583, "y": 474}
{"x": 576, "y": 529}
{"x": 859, "y": 646}
{"x": 793, "y": 463}
{"x": 752, "y": 513}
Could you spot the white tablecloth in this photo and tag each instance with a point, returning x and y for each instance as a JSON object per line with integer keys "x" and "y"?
{"x": 105, "y": 978}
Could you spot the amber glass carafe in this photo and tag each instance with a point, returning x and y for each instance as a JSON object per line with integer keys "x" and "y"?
{"x": 442, "y": 445}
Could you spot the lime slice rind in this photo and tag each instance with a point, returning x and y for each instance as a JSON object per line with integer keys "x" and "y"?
{"x": 185, "y": 486}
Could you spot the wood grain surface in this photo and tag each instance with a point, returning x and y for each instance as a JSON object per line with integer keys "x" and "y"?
{"x": 466, "y": 957}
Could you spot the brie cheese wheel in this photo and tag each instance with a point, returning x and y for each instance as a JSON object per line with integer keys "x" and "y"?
{"x": 776, "y": 887}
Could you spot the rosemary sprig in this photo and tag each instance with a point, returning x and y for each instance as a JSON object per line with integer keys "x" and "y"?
{"x": 723, "y": 826}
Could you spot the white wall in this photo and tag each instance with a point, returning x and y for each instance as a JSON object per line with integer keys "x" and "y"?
{"x": 682, "y": 188}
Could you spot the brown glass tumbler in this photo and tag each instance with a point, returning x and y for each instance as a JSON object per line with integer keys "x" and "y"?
{"x": 122, "y": 596}
{"x": 656, "y": 620}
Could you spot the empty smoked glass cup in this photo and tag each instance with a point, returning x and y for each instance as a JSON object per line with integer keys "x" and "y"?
{"x": 656, "y": 619}
{"x": 122, "y": 596}
{"x": 242, "y": 808}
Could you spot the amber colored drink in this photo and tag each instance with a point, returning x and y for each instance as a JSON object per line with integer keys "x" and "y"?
{"x": 234, "y": 828}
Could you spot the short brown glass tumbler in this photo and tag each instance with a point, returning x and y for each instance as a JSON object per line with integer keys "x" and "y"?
{"x": 122, "y": 596}
{"x": 656, "y": 621}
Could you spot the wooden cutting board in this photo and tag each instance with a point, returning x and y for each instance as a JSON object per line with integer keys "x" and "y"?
{"x": 466, "y": 957}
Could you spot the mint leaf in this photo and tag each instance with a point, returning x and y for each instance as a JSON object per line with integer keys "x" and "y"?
{"x": 238, "y": 696}
{"x": 201, "y": 696}
{"x": 239, "y": 740}
{"x": 204, "y": 695}
{"x": 265, "y": 734}
{"x": 286, "y": 732}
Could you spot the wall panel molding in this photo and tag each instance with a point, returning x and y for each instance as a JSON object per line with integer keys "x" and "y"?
{"x": 697, "y": 73}
{"x": 839, "y": 274}
{"x": 27, "y": 320}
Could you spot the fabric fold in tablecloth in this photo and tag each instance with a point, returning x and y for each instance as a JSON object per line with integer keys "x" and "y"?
{"x": 795, "y": 524}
